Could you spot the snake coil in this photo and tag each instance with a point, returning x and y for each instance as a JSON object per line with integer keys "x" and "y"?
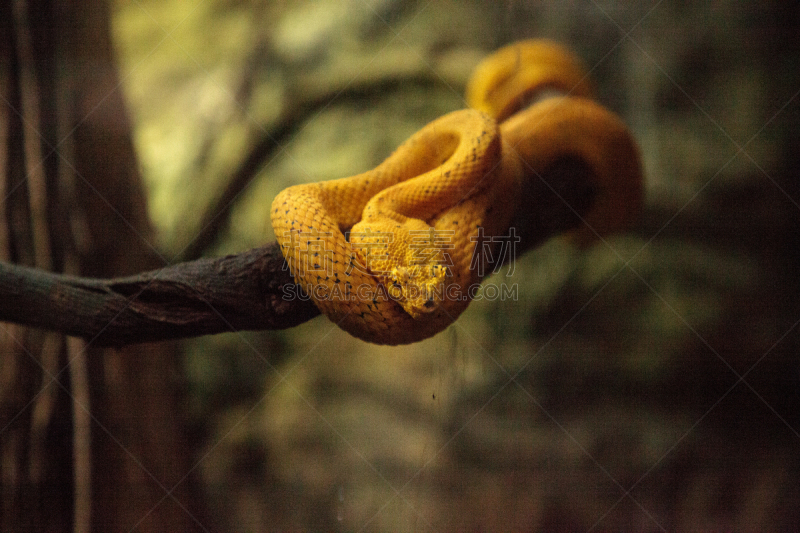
{"x": 394, "y": 255}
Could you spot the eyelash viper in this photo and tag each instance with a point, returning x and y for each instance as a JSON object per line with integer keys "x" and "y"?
{"x": 391, "y": 255}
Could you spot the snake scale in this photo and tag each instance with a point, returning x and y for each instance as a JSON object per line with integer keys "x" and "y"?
{"x": 392, "y": 255}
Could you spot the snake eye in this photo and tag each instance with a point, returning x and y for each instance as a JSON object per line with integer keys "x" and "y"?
{"x": 429, "y": 304}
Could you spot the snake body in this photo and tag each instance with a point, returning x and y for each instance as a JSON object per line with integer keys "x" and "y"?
{"x": 393, "y": 255}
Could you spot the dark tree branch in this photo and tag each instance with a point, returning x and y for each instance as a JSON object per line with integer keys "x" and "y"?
{"x": 238, "y": 292}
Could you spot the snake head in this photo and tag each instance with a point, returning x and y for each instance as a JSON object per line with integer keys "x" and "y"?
{"x": 419, "y": 289}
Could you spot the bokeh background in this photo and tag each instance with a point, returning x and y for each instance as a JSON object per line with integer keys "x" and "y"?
{"x": 650, "y": 382}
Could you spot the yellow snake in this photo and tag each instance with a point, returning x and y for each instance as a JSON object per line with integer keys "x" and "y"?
{"x": 393, "y": 255}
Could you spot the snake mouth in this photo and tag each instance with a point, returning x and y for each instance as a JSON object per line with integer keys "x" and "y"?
{"x": 418, "y": 295}
{"x": 417, "y": 308}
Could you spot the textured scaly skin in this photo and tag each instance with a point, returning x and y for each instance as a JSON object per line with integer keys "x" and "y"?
{"x": 449, "y": 178}
{"x": 390, "y": 255}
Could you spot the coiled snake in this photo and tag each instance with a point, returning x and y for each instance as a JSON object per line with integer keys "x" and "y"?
{"x": 393, "y": 255}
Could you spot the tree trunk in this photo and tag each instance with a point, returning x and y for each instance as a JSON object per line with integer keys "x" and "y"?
{"x": 90, "y": 438}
